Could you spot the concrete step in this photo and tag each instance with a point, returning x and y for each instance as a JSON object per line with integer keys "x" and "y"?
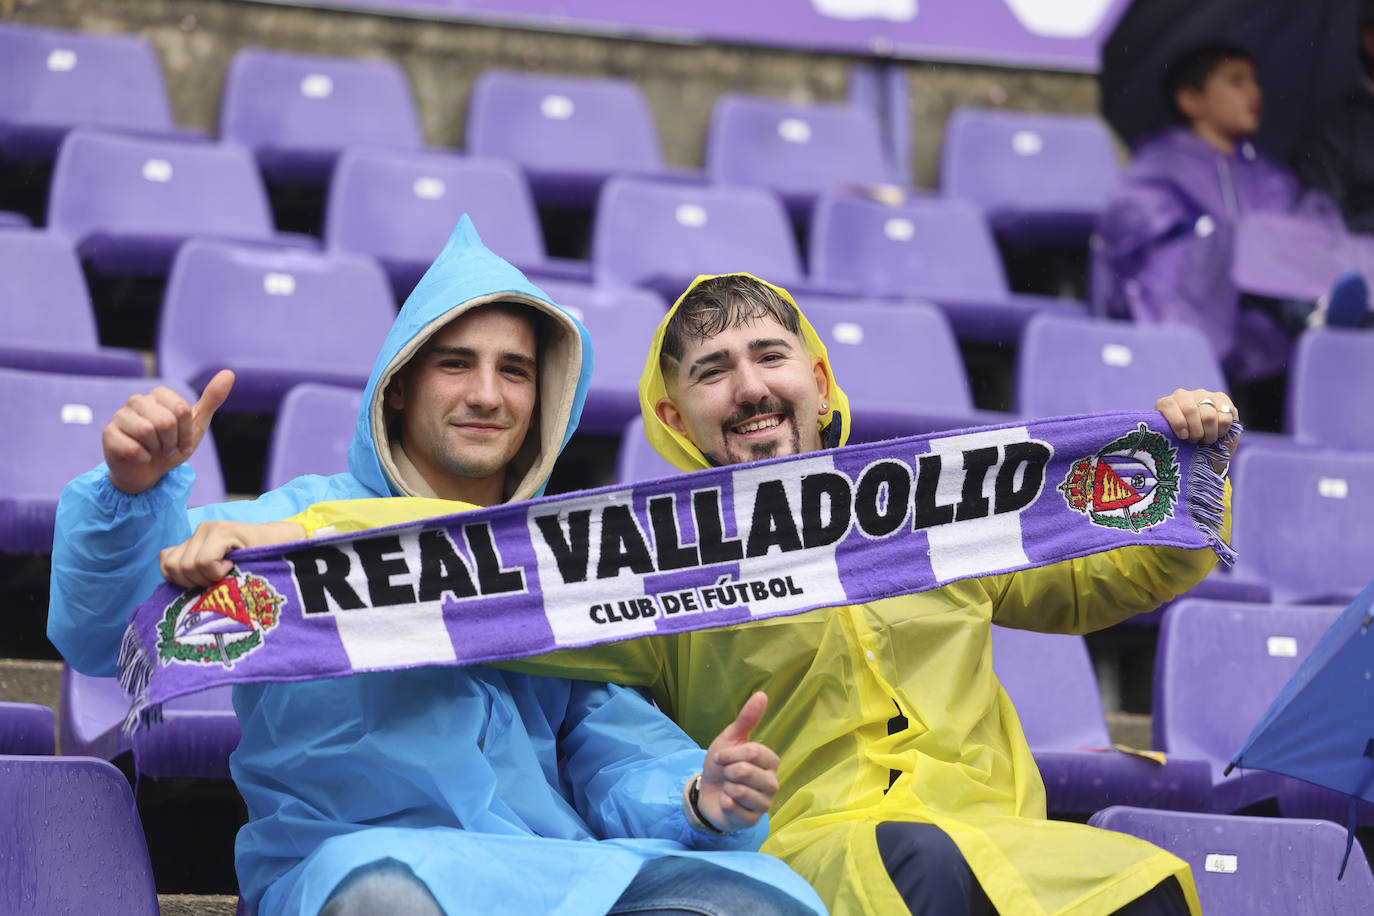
{"x": 26, "y": 681}
{"x": 1131, "y": 729}
{"x": 195, "y": 905}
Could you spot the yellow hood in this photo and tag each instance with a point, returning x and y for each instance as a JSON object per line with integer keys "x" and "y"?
{"x": 677, "y": 449}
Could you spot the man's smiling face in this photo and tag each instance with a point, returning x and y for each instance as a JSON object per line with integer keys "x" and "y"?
{"x": 467, "y": 402}
{"x": 751, "y": 391}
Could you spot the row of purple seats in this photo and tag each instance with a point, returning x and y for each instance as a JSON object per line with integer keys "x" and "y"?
{"x": 79, "y": 843}
{"x": 1030, "y": 173}
{"x": 127, "y": 203}
{"x": 1038, "y": 175}
{"x": 931, "y": 248}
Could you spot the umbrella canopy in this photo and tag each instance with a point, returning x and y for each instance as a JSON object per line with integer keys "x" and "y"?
{"x": 1305, "y": 52}
{"x": 1320, "y": 728}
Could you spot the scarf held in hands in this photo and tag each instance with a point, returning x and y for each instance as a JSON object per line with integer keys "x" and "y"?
{"x": 712, "y": 548}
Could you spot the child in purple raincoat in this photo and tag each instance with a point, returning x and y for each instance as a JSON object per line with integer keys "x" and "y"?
{"x": 1168, "y": 231}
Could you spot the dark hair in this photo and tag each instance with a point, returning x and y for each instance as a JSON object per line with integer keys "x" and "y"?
{"x": 1190, "y": 68}
{"x": 721, "y": 303}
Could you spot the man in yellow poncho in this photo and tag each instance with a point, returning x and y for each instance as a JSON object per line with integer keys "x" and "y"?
{"x": 906, "y": 782}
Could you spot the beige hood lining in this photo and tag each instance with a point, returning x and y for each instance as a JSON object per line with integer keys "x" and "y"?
{"x": 560, "y": 366}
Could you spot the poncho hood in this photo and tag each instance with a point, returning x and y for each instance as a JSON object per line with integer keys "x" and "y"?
{"x": 677, "y": 449}
{"x": 465, "y": 276}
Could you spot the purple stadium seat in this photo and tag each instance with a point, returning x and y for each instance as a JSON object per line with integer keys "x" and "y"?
{"x": 275, "y": 316}
{"x": 1050, "y": 680}
{"x": 1290, "y": 257}
{"x": 27, "y": 728}
{"x": 46, "y": 320}
{"x": 9, "y": 220}
{"x": 622, "y": 321}
{"x": 569, "y": 134}
{"x": 1303, "y": 520}
{"x": 55, "y": 80}
{"x": 1219, "y": 665}
{"x": 661, "y": 235}
{"x": 400, "y": 207}
{"x": 194, "y": 739}
{"x": 929, "y": 248}
{"x": 798, "y": 151}
{"x": 1036, "y": 177}
{"x": 126, "y": 203}
{"x": 1249, "y": 865}
{"x": 1073, "y": 364}
{"x": 900, "y": 366}
{"x": 1330, "y": 375}
{"x": 54, "y": 423}
{"x": 74, "y": 840}
{"x": 314, "y": 426}
{"x": 637, "y": 460}
{"x": 298, "y": 112}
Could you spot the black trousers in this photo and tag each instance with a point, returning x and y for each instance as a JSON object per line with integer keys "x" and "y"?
{"x": 933, "y": 878}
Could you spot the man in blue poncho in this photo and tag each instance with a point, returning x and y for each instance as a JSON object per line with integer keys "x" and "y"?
{"x": 438, "y": 789}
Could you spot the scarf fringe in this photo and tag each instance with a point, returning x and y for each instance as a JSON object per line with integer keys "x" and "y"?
{"x": 135, "y": 676}
{"x": 1207, "y": 493}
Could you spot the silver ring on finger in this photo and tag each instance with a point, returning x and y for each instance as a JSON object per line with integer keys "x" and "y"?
{"x": 1209, "y": 401}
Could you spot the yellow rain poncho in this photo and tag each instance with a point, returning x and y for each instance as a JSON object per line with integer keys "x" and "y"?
{"x": 835, "y": 677}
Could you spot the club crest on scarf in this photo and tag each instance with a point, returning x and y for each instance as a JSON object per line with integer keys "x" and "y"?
{"x": 221, "y": 624}
{"x": 1131, "y": 483}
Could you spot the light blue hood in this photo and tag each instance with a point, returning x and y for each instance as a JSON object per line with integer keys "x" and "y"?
{"x": 464, "y": 276}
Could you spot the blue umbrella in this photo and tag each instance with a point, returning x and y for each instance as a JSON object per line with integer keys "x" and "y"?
{"x": 1320, "y": 729}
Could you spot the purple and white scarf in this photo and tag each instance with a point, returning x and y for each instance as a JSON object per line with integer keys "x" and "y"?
{"x": 708, "y": 549}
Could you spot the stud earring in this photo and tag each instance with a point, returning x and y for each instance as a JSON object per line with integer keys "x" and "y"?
{"x": 825, "y": 408}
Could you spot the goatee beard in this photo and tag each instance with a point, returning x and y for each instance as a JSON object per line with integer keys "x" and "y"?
{"x": 762, "y": 450}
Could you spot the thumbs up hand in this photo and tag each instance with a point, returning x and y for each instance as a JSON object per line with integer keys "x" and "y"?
{"x": 740, "y": 776}
{"x": 157, "y": 431}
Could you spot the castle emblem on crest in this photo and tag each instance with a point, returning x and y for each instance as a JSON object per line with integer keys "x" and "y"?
{"x": 1131, "y": 483}
{"x": 221, "y": 624}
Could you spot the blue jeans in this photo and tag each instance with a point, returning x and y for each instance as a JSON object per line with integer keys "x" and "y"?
{"x": 677, "y": 886}
{"x": 667, "y": 886}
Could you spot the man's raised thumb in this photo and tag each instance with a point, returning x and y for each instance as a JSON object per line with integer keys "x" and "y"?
{"x": 211, "y": 399}
{"x": 750, "y": 715}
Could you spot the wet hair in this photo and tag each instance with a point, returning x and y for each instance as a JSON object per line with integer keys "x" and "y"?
{"x": 1190, "y": 68}
{"x": 719, "y": 304}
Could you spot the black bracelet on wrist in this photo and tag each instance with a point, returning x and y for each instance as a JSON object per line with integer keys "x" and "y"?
{"x": 693, "y": 796}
